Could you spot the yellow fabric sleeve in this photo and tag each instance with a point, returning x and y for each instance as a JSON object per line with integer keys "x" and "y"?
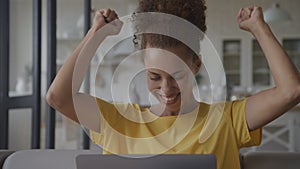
{"x": 245, "y": 138}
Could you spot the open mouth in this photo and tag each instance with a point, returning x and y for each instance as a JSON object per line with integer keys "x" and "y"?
{"x": 169, "y": 99}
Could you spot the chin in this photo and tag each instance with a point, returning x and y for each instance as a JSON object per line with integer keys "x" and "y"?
{"x": 172, "y": 102}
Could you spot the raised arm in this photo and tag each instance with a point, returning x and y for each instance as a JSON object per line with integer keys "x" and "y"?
{"x": 267, "y": 105}
{"x": 60, "y": 93}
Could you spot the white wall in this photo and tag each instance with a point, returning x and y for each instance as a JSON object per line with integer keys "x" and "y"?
{"x": 221, "y": 17}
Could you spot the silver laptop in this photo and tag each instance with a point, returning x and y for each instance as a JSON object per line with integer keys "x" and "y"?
{"x": 165, "y": 161}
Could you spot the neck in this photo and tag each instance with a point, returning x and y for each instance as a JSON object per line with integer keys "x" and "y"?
{"x": 186, "y": 108}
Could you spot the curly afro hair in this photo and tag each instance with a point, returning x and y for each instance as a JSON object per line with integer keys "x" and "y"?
{"x": 190, "y": 10}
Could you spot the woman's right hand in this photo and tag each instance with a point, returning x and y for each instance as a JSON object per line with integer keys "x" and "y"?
{"x": 105, "y": 16}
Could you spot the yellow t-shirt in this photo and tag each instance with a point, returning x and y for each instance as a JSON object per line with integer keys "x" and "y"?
{"x": 130, "y": 129}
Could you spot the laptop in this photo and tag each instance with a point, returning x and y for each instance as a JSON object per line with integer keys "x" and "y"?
{"x": 164, "y": 161}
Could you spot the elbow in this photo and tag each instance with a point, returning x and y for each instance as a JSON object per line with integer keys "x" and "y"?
{"x": 52, "y": 99}
{"x": 61, "y": 104}
{"x": 292, "y": 94}
{"x": 298, "y": 94}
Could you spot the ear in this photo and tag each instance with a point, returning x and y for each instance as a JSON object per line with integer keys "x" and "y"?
{"x": 197, "y": 65}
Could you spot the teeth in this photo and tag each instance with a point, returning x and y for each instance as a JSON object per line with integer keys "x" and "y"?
{"x": 169, "y": 98}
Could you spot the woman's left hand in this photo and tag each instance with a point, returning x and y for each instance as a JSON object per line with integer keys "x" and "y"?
{"x": 250, "y": 18}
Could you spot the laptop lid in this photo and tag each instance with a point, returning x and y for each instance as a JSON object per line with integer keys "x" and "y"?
{"x": 164, "y": 161}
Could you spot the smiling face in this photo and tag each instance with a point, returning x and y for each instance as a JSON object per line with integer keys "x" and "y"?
{"x": 170, "y": 76}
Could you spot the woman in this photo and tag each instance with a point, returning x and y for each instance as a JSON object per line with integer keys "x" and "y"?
{"x": 174, "y": 125}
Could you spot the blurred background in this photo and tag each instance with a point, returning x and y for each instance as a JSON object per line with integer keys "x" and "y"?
{"x": 244, "y": 63}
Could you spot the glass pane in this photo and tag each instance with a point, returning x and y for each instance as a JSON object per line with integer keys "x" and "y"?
{"x": 68, "y": 134}
{"x": 261, "y": 72}
{"x": 232, "y": 61}
{"x": 20, "y": 71}
{"x": 19, "y": 129}
{"x": 292, "y": 47}
{"x": 69, "y": 28}
{"x": 69, "y": 34}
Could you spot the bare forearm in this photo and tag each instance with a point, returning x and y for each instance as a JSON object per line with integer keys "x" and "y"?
{"x": 283, "y": 70}
{"x": 62, "y": 84}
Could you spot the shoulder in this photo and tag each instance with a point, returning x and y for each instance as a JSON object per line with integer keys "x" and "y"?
{"x": 117, "y": 110}
{"x": 224, "y": 108}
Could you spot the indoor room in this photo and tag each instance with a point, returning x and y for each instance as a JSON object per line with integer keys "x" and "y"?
{"x": 241, "y": 69}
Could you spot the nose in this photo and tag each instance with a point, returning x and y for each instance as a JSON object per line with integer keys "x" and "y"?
{"x": 167, "y": 85}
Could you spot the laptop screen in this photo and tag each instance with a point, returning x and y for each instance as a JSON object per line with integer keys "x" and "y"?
{"x": 165, "y": 161}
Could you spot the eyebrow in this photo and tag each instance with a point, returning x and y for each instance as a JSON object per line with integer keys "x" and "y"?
{"x": 153, "y": 73}
{"x": 180, "y": 71}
